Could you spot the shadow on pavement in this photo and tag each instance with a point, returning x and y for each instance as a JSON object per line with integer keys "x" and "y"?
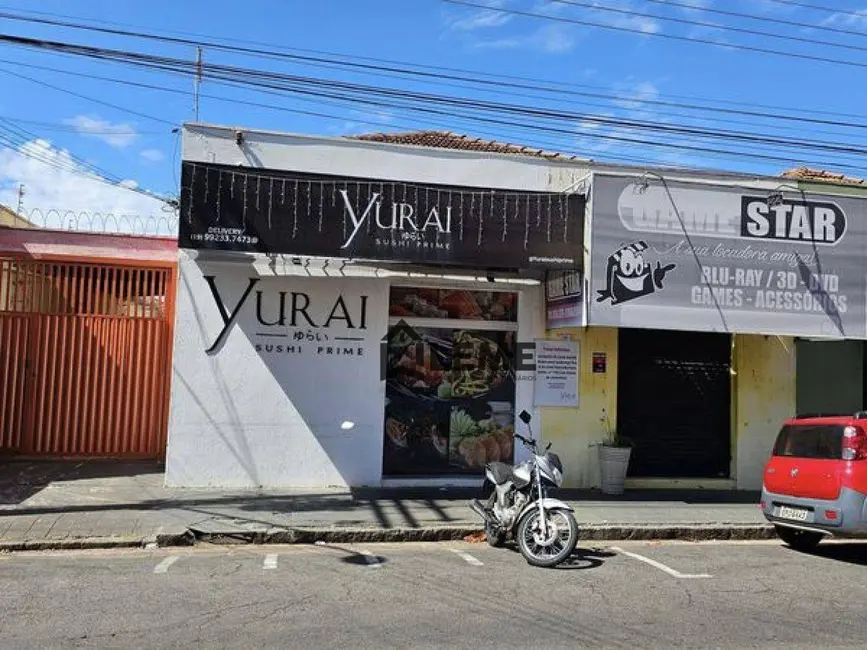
{"x": 581, "y": 558}
{"x": 20, "y": 480}
{"x": 848, "y": 552}
{"x": 586, "y": 558}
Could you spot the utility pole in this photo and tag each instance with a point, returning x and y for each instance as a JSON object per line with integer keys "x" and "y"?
{"x": 20, "y": 202}
{"x": 197, "y": 81}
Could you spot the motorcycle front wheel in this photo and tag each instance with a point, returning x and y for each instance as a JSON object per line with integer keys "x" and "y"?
{"x": 547, "y": 550}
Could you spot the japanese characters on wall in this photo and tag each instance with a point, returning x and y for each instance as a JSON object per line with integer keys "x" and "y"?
{"x": 272, "y": 211}
{"x": 688, "y": 256}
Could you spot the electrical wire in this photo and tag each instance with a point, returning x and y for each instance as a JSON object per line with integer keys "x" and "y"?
{"x": 534, "y": 127}
{"x": 649, "y": 34}
{"x": 609, "y": 108}
{"x": 767, "y": 19}
{"x": 807, "y": 5}
{"x": 313, "y": 87}
{"x": 700, "y": 23}
{"x": 273, "y": 52}
{"x": 280, "y": 81}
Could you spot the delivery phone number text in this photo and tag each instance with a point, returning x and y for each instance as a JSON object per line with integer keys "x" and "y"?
{"x": 224, "y": 237}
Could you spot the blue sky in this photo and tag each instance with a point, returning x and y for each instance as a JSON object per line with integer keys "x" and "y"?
{"x": 630, "y": 67}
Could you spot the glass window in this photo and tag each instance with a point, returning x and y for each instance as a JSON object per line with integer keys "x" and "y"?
{"x": 450, "y": 400}
{"x": 823, "y": 441}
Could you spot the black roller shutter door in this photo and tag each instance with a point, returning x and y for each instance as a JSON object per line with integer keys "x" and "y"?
{"x": 674, "y": 402}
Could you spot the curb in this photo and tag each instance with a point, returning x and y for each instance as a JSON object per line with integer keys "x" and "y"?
{"x": 332, "y": 535}
{"x": 84, "y": 543}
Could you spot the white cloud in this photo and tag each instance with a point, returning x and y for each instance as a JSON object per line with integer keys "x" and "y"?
{"x": 153, "y": 155}
{"x": 693, "y": 6}
{"x": 72, "y": 197}
{"x": 119, "y": 135}
{"x": 554, "y": 39}
{"x": 855, "y": 18}
{"x": 633, "y": 95}
{"x": 560, "y": 37}
{"x": 482, "y": 18}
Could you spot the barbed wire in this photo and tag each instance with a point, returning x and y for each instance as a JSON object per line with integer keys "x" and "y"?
{"x": 103, "y": 222}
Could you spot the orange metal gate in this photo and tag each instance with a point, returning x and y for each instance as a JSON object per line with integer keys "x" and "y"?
{"x": 85, "y": 358}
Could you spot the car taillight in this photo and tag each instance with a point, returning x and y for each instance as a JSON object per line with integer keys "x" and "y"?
{"x": 854, "y": 443}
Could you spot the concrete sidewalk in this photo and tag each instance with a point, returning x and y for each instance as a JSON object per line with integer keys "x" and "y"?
{"x": 73, "y": 505}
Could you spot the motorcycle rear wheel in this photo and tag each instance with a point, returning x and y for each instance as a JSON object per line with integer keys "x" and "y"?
{"x": 550, "y": 552}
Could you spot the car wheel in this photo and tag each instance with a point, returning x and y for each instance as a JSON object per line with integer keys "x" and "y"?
{"x": 801, "y": 540}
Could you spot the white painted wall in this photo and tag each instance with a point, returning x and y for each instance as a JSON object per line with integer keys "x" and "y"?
{"x": 346, "y": 157}
{"x": 241, "y": 418}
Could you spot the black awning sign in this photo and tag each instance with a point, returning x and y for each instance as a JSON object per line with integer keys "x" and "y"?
{"x": 241, "y": 209}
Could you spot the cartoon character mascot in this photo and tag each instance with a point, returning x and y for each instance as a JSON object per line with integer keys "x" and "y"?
{"x": 629, "y": 277}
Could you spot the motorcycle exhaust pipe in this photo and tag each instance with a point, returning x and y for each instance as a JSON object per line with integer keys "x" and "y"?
{"x": 479, "y": 509}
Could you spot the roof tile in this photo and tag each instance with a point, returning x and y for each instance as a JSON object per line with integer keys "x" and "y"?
{"x": 448, "y": 140}
{"x": 822, "y": 175}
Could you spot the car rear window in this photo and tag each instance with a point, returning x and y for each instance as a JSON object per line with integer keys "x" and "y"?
{"x": 810, "y": 441}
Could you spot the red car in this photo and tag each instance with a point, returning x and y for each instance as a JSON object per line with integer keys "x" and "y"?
{"x": 815, "y": 484}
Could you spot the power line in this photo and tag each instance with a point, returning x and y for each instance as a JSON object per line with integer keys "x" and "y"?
{"x": 705, "y": 151}
{"x": 17, "y": 138}
{"x": 168, "y": 64}
{"x": 92, "y": 99}
{"x": 673, "y": 37}
{"x": 390, "y": 65}
{"x": 806, "y": 5}
{"x": 701, "y": 23}
{"x": 608, "y": 107}
{"x": 766, "y": 19}
{"x": 309, "y": 86}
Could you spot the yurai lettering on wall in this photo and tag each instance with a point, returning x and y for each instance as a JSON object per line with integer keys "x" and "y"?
{"x": 672, "y": 255}
{"x": 272, "y": 211}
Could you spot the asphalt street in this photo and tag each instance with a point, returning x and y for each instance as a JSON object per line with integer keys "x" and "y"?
{"x": 436, "y": 595}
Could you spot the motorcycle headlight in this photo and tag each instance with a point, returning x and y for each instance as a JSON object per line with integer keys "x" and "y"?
{"x": 558, "y": 477}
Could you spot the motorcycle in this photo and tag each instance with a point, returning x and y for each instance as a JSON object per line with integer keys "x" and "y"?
{"x": 518, "y": 505}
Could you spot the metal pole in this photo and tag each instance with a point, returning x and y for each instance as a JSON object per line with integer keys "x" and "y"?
{"x": 20, "y": 203}
{"x": 197, "y": 81}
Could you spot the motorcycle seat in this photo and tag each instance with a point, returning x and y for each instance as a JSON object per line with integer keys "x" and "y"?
{"x": 501, "y": 472}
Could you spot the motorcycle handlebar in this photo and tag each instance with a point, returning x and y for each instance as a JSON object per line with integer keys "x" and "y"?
{"x": 526, "y": 441}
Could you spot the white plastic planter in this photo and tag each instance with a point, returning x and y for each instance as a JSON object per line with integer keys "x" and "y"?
{"x": 613, "y": 463}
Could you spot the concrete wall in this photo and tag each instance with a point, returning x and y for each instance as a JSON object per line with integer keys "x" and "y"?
{"x": 574, "y": 431}
{"x": 830, "y": 376}
{"x": 765, "y": 397}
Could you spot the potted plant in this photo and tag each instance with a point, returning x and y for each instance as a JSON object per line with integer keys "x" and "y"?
{"x": 614, "y": 454}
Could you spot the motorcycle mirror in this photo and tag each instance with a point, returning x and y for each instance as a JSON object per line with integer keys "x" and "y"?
{"x": 525, "y": 417}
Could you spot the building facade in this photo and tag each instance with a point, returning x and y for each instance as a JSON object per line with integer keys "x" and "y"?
{"x": 362, "y": 312}
{"x": 352, "y": 313}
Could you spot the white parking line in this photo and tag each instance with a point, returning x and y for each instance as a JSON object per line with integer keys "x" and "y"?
{"x": 469, "y": 559}
{"x": 371, "y": 559}
{"x": 270, "y": 561}
{"x": 163, "y": 566}
{"x": 661, "y": 566}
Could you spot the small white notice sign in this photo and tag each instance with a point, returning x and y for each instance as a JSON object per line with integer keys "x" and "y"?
{"x": 556, "y": 373}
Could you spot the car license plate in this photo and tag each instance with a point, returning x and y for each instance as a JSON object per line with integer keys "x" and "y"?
{"x": 796, "y": 514}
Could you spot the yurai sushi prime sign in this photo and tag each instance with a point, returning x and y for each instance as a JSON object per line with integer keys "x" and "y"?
{"x": 288, "y": 212}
